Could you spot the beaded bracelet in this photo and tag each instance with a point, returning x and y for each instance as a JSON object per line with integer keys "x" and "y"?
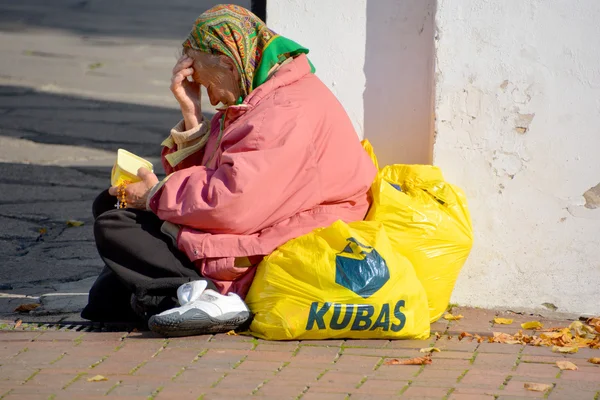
{"x": 121, "y": 196}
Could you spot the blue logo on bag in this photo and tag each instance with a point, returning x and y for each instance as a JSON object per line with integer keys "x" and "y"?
{"x": 361, "y": 269}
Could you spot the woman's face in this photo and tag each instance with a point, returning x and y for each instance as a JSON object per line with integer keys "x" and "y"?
{"x": 218, "y": 75}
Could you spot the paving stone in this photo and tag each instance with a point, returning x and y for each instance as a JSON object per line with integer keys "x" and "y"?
{"x": 182, "y": 391}
{"x": 376, "y": 386}
{"x": 517, "y": 388}
{"x": 375, "y": 352}
{"x": 537, "y": 370}
{"x": 456, "y": 345}
{"x": 498, "y": 360}
{"x": 425, "y": 392}
{"x": 483, "y": 379}
{"x": 499, "y": 348}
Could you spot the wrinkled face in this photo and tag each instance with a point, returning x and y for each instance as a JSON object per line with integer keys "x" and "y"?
{"x": 218, "y": 75}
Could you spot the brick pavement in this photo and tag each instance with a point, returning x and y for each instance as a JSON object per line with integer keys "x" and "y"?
{"x": 138, "y": 365}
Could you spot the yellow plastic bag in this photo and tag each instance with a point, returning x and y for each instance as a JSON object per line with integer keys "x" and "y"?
{"x": 344, "y": 281}
{"x": 427, "y": 221}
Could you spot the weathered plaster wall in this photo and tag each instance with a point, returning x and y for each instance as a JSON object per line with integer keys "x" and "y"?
{"x": 518, "y": 127}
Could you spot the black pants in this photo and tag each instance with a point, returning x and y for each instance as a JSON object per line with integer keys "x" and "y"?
{"x": 140, "y": 260}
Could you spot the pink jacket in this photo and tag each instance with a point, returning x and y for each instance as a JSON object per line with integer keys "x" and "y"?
{"x": 289, "y": 161}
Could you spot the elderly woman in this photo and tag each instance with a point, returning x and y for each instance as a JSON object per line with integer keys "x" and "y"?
{"x": 279, "y": 159}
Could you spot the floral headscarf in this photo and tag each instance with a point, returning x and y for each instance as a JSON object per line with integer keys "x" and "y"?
{"x": 237, "y": 33}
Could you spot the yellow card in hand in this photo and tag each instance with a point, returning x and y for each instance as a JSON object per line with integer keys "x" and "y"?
{"x": 126, "y": 167}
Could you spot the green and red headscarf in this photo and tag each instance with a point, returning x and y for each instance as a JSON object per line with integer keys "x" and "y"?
{"x": 237, "y": 33}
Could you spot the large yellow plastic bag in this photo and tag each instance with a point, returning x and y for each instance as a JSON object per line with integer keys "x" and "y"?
{"x": 344, "y": 281}
{"x": 427, "y": 221}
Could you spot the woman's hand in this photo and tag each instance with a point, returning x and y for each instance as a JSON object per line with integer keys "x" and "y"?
{"x": 136, "y": 194}
{"x": 187, "y": 93}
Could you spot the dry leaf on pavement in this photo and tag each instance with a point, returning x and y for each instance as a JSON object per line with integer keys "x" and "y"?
{"x": 532, "y": 325}
{"x": 581, "y": 330}
{"x": 594, "y": 360}
{"x": 97, "y": 378}
{"x": 501, "y": 337}
{"x": 536, "y": 387}
{"x": 25, "y": 308}
{"x": 231, "y": 333}
{"x": 18, "y": 323}
{"x": 72, "y": 223}
{"x": 503, "y": 321}
{"x": 464, "y": 335}
{"x": 437, "y": 335}
{"x": 410, "y": 361}
{"x": 595, "y": 321}
{"x": 568, "y": 365}
{"x": 430, "y": 350}
{"x": 450, "y": 317}
{"x": 565, "y": 350}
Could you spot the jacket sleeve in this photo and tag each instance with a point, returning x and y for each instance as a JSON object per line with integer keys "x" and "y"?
{"x": 264, "y": 163}
{"x": 179, "y": 139}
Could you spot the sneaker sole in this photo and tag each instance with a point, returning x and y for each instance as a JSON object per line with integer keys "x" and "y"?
{"x": 195, "y": 322}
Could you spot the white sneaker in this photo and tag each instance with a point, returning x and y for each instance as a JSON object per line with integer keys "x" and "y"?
{"x": 210, "y": 312}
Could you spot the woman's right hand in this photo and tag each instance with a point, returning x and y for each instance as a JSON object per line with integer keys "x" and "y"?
{"x": 187, "y": 93}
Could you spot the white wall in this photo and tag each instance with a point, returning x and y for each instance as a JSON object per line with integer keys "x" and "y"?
{"x": 377, "y": 57}
{"x": 335, "y": 33}
{"x": 398, "y": 99}
{"x": 518, "y": 127}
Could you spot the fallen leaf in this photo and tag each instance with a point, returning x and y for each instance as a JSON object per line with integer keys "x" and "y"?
{"x": 410, "y": 361}
{"x": 565, "y": 350}
{"x": 74, "y": 223}
{"x": 97, "y": 378}
{"x": 503, "y": 321}
{"x": 594, "y": 360}
{"x": 501, "y": 337}
{"x": 464, "y": 335}
{"x": 437, "y": 335}
{"x": 569, "y": 366}
{"x": 582, "y": 330}
{"x": 25, "y": 308}
{"x": 18, "y": 323}
{"x": 231, "y": 333}
{"x": 430, "y": 350}
{"x": 532, "y": 325}
{"x": 593, "y": 321}
{"x": 42, "y": 231}
{"x": 451, "y": 317}
{"x": 536, "y": 387}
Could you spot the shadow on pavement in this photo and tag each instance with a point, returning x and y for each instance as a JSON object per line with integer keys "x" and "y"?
{"x": 68, "y": 120}
{"x": 134, "y": 18}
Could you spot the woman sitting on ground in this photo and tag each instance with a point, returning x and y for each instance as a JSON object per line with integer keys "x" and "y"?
{"x": 279, "y": 159}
